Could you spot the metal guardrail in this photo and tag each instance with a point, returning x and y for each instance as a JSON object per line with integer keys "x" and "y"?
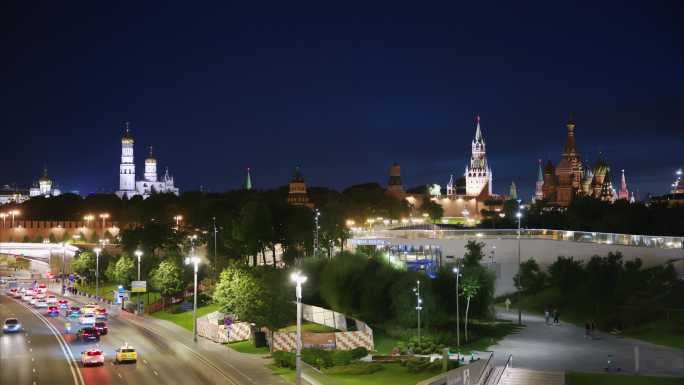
{"x": 509, "y": 363}
{"x": 434, "y": 232}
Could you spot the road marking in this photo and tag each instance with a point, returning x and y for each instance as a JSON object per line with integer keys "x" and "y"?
{"x": 34, "y": 370}
{"x": 155, "y": 372}
{"x": 145, "y": 362}
{"x": 75, "y": 372}
{"x": 33, "y": 359}
{"x": 119, "y": 374}
{"x": 30, "y": 349}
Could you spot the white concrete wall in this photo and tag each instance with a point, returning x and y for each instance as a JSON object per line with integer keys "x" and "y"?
{"x": 544, "y": 251}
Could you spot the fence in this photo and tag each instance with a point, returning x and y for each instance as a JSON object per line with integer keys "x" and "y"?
{"x": 210, "y": 328}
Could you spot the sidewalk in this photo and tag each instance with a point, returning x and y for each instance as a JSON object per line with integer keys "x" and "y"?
{"x": 247, "y": 369}
{"x": 564, "y": 347}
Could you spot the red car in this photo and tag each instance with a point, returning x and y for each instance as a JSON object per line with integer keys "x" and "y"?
{"x": 53, "y": 311}
{"x": 100, "y": 313}
{"x": 101, "y": 327}
{"x": 63, "y": 304}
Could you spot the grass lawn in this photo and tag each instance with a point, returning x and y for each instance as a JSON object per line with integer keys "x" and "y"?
{"x": 184, "y": 319}
{"x": 611, "y": 379}
{"x": 107, "y": 292}
{"x": 383, "y": 342}
{"x": 393, "y": 374}
{"x": 309, "y": 327}
{"x": 247, "y": 346}
{"x": 662, "y": 332}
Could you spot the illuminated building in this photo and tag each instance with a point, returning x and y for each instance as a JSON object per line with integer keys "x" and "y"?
{"x": 128, "y": 186}
{"x": 44, "y": 187}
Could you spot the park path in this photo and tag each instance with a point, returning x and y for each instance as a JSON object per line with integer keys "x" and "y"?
{"x": 563, "y": 348}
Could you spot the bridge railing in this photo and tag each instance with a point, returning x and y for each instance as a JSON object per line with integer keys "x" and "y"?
{"x": 654, "y": 241}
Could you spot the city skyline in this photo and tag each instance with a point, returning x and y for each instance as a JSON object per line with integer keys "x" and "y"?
{"x": 341, "y": 95}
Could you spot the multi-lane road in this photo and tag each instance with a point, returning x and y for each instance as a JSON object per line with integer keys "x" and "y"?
{"x": 44, "y": 354}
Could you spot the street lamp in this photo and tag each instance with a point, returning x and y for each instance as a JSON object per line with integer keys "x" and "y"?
{"x": 299, "y": 279}
{"x": 97, "y": 251}
{"x": 138, "y": 253}
{"x": 88, "y": 218}
{"x": 4, "y": 218}
{"x": 419, "y": 305}
{"x": 216, "y": 247}
{"x": 316, "y": 245}
{"x": 457, "y": 271}
{"x": 14, "y": 213}
{"x": 104, "y": 217}
{"x": 194, "y": 260}
{"x": 519, "y": 216}
{"x": 178, "y": 218}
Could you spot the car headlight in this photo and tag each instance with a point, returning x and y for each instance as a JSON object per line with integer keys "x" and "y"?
{"x": 18, "y": 326}
{"x": 4, "y": 326}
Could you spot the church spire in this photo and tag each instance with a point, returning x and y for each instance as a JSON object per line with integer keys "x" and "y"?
{"x": 624, "y": 193}
{"x": 540, "y": 173}
{"x": 478, "y": 131}
{"x": 248, "y": 181}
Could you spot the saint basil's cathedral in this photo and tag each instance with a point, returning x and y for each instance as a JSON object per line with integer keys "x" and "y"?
{"x": 560, "y": 184}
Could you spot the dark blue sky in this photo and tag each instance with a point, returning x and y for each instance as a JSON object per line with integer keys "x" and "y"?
{"x": 341, "y": 89}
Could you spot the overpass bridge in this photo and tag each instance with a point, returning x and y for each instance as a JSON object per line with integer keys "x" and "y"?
{"x": 436, "y": 246}
{"x": 44, "y": 257}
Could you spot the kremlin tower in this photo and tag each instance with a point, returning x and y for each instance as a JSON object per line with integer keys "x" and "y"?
{"x": 478, "y": 174}
{"x": 538, "y": 191}
{"x": 394, "y": 185}
{"x": 624, "y": 193}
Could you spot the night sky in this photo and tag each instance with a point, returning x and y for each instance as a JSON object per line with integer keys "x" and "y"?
{"x": 342, "y": 89}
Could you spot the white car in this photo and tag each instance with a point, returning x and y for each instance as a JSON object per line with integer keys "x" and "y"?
{"x": 33, "y": 300}
{"x": 26, "y": 297}
{"x": 87, "y": 319}
{"x": 51, "y": 299}
{"x": 40, "y": 303}
{"x": 92, "y": 357}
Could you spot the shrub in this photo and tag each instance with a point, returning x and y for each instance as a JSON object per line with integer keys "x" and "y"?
{"x": 284, "y": 359}
{"x": 356, "y": 368}
{"x": 342, "y": 357}
{"x": 358, "y": 353}
{"x": 317, "y": 357}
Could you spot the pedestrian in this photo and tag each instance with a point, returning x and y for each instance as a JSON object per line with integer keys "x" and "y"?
{"x": 593, "y": 327}
{"x": 587, "y": 330}
{"x": 546, "y": 316}
{"x": 555, "y": 316}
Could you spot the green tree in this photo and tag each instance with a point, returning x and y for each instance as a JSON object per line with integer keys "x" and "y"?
{"x": 255, "y": 295}
{"x": 567, "y": 274}
{"x": 530, "y": 278}
{"x": 124, "y": 270}
{"x": 167, "y": 279}
{"x": 474, "y": 253}
{"x": 84, "y": 264}
{"x": 470, "y": 286}
{"x": 433, "y": 209}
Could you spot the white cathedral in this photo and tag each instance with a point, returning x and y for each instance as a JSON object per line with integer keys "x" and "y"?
{"x": 128, "y": 186}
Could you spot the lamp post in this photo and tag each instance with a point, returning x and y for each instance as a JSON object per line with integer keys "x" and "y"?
{"x": 4, "y": 218}
{"x": 14, "y": 213}
{"x": 519, "y": 216}
{"x": 419, "y": 305}
{"x": 178, "y": 218}
{"x": 97, "y": 251}
{"x": 88, "y": 218}
{"x": 317, "y": 214}
{"x": 215, "y": 246}
{"x": 299, "y": 279}
{"x": 104, "y": 217}
{"x": 457, "y": 271}
{"x": 194, "y": 260}
{"x": 138, "y": 253}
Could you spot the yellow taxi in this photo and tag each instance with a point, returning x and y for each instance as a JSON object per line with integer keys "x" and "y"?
{"x": 126, "y": 353}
